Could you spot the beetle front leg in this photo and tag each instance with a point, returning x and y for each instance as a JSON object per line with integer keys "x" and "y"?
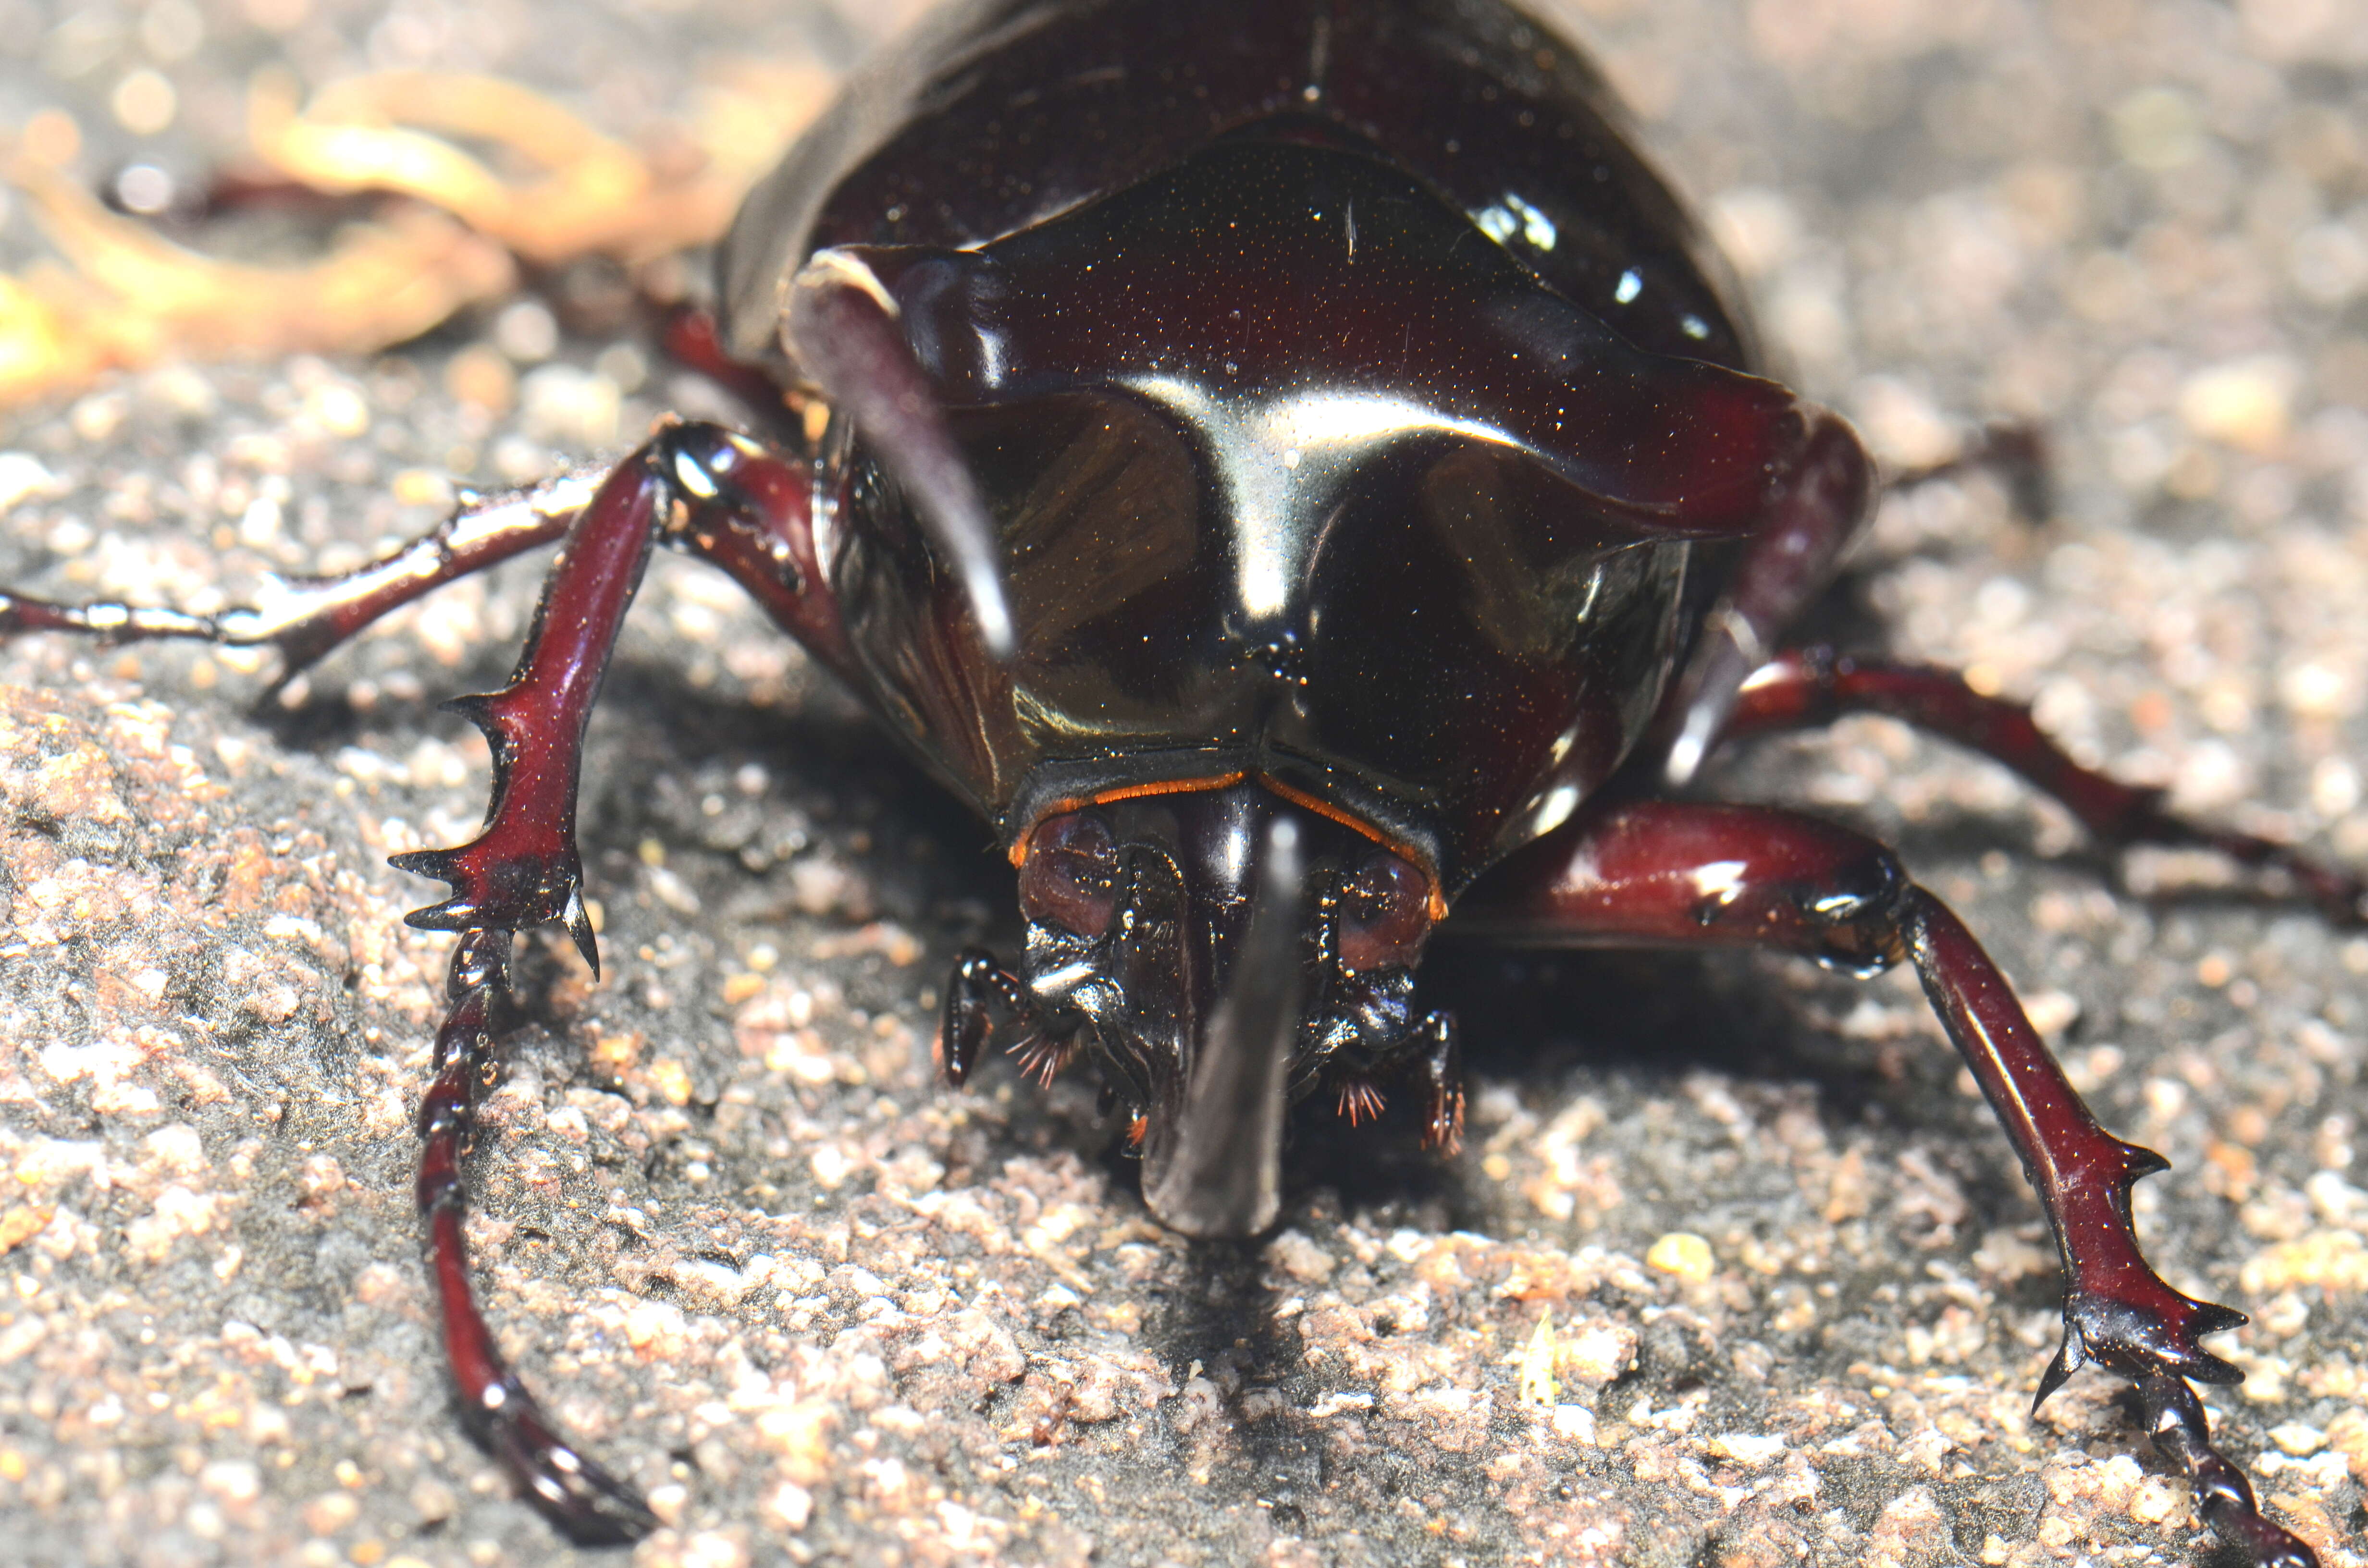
{"x": 524, "y": 870}
{"x": 714, "y": 490}
{"x": 1666, "y": 872}
{"x": 1816, "y": 685}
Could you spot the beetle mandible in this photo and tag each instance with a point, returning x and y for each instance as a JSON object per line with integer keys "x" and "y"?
{"x": 1299, "y": 475}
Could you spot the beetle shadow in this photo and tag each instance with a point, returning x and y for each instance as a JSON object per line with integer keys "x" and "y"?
{"x": 1532, "y": 1015}
{"x": 1538, "y": 1019}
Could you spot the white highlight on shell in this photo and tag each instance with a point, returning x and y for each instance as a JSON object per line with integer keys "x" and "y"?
{"x": 1253, "y": 443}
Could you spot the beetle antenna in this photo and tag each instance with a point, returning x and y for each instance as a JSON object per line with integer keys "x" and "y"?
{"x": 845, "y": 330}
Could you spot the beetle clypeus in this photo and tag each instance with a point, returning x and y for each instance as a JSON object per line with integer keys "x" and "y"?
{"x": 1295, "y": 472}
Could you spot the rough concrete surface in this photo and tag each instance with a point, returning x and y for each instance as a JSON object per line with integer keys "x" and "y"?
{"x": 822, "y": 1309}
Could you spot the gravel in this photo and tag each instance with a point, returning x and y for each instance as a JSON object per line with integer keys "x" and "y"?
{"x": 1736, "y": 1269}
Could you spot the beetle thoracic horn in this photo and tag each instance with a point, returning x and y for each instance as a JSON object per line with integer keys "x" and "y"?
{"x": 1213, "y": 1163}
{"x": 843, "y": 329}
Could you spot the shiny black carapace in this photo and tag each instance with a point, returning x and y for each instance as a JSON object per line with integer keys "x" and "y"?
{"x": 1296, "y": 472}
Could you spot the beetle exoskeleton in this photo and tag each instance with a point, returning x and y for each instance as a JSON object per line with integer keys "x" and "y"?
{"x": 1295, "y": 471}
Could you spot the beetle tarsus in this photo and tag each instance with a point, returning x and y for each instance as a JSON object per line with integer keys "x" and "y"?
{"x": 592, "y": 1506}
{"x": 2182, "y": 1434}
{"x": 577, "y": 1495}
{"x": 1441, "y": 1068}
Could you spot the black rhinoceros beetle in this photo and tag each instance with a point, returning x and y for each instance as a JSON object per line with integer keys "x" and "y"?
{"x": 1294, "y": 470}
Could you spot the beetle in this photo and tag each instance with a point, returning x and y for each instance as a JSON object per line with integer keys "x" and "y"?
{"x": 1297, "y": 474}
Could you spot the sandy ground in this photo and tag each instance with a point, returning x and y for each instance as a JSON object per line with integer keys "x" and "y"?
{"x": 822, "y": 1309}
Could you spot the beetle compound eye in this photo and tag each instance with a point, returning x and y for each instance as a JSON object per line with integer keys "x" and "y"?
{"x": 1385, "y": 913}
{"x": 1070, "y": 879}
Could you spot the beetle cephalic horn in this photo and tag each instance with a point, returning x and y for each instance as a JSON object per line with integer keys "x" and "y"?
{"x": 844, "y": 331}
{"x": 1212, "y": 1161}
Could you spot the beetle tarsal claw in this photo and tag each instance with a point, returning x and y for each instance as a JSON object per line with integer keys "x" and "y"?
{"x": 593, "y": 1506}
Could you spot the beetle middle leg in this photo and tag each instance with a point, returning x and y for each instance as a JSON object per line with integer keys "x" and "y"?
{"x": 1698, "y": 875}
{"x": 1816, "y": 685}
{"x": 302, "y": 620}
{"x": 2012, "y": 452}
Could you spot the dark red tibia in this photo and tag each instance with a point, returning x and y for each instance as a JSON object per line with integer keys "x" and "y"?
{"x": 523, "y": 869}
{"x": 1814, "y": 686}
{"x": 1699, "y": 875}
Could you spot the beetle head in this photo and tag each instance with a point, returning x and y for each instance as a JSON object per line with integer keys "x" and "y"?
{"x": 1219, "y": 953}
